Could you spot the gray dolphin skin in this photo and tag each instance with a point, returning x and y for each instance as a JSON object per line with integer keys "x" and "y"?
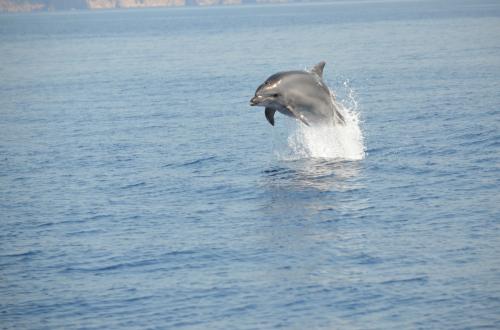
{"x": 299, "y": 94}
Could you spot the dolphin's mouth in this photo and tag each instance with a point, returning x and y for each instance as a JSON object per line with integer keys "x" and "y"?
{"x": 255, "y": 101}
{"x": 261, "y": 100}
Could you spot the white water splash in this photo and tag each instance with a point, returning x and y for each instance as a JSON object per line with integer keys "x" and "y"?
{"x": 330, "y": 141}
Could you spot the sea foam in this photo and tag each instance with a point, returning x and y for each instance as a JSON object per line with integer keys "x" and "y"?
{"x": 335, "y": 141}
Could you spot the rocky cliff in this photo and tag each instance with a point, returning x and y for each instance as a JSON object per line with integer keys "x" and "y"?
{"x": 49, "y": 5}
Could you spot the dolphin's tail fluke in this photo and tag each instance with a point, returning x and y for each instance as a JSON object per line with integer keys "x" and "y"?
{"x": 338, "y": 117}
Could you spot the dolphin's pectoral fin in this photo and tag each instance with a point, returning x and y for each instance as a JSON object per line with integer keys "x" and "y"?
{"x": 270, "y": 115}
{"x": 318, "y": 69}
{"x": 298, "y": 115}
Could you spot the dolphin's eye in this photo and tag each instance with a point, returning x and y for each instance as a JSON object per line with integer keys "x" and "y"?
{"x": 275, "y": 95}
{"x": 267, "y": 82}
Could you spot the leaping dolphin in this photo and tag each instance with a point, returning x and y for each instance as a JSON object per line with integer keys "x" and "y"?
{"x": 299, "y": 94}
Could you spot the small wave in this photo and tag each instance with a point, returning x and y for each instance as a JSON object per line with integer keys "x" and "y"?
{"x": 419, "y": 279}
{"x": 190, "y": 162}
{"x": 343, "y": 142}
{"x": 134, "y": 185}
{"x": 159, "y": 260}
{"x": 198, "y": 161}
{"x": 21, "y": 254}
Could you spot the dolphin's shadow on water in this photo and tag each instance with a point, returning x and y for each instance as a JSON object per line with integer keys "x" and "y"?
{"x": 323, "y": 175}
{"x": 307, "y": 186}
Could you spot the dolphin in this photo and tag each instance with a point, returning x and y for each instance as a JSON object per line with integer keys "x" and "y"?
{"x": 298, "y": 94}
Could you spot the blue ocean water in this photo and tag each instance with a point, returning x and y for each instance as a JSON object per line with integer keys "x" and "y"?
{"x": 138, "y": 189}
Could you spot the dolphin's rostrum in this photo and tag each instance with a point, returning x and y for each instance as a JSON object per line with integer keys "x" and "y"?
{"x": 299, "y": 94}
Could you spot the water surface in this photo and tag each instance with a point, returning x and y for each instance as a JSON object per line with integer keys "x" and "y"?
{"x": 138, "y": 189}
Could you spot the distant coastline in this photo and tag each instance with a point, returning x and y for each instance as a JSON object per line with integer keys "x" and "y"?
{"x": 54, "y": 5}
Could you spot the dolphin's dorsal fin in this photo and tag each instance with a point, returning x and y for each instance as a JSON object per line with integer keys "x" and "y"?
{"x": 318, "y": 68}
{"x": 270, "y": 115}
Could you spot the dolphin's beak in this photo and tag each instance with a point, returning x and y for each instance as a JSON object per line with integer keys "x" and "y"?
{"x": 254, "y": 101}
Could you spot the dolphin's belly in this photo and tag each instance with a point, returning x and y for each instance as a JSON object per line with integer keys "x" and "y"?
{"x": 318, "y": 113}
{"x": 285, "y": 111}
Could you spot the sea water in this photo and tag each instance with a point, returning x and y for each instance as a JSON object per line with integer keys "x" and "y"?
{"x": 138, "y": 188}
